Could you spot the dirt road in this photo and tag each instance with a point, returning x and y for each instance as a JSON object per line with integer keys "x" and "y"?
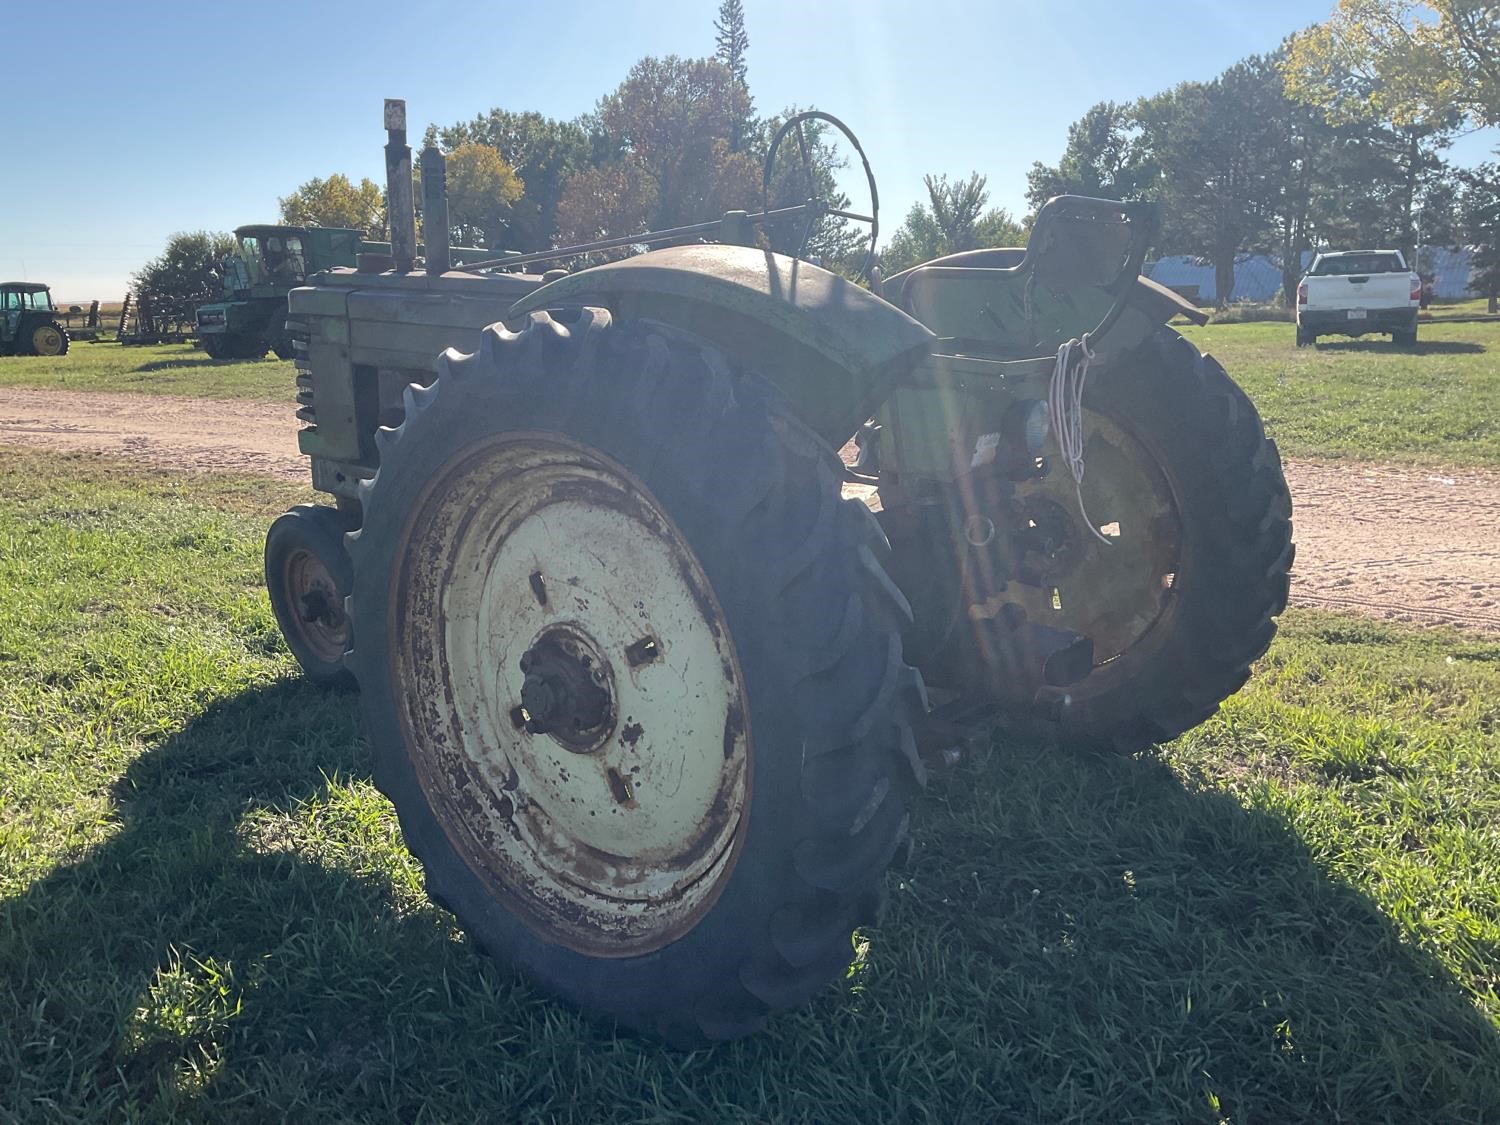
{"x": 205, "y": 434}
{"x": 1407, "y": 543}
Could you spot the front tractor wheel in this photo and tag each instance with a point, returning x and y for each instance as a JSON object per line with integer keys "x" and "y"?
{"x": 307, "y": 578}
{"x": 49, "y": 340}
{"x": 1181, "y": 599}
{"x": 646, "y": 724}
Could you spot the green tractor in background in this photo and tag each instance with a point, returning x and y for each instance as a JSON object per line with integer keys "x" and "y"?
{"x": 28, "y": 321}
{"x": 643, "y": 681}
{"x": 270, "y": 263}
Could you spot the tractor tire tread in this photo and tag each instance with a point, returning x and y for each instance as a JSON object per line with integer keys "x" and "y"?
{"x": 1230, "y": 621}
{"x": 667, "y": 406}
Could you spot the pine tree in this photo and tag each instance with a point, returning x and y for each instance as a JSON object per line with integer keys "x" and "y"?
{"x": 731, "y": 41}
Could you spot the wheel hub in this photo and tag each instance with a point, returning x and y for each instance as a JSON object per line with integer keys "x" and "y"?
{"x": 47, "y": 340}
{"x": 567, "y": 692}
{"x": 1115, "y": 592}
{"x": 312, "y": 590}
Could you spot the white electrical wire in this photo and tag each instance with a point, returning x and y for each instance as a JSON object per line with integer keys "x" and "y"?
{"x": 1065, "y": 406}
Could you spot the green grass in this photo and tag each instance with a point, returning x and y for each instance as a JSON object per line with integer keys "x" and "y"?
{"x": 173, "y": 369}
{"x": 1364, "y": 399}
{"x": 206, "y": 913}
{"x": 1469, "y": 306}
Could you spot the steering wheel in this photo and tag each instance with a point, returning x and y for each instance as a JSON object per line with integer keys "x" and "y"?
{"x": 815, "y": 210}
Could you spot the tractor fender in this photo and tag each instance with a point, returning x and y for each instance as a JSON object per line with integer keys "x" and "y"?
{"x": 1161, "y": 304}
{"x": 832, "y": 348}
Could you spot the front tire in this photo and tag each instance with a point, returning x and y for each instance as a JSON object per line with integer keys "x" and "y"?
{"x": 644, "y": 720}
{"x": 308, "y": 576}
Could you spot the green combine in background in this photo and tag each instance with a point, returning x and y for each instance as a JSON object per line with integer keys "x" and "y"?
{"x": 271, "y": 261}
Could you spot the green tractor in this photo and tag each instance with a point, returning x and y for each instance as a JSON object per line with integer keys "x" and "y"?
{"x": 270, "y": 262}
{"x": 645, "y": 687}
{"x": 28, "y": 320}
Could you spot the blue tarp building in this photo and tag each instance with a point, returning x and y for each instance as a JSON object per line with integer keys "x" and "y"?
{"x": 1258, "y": 278}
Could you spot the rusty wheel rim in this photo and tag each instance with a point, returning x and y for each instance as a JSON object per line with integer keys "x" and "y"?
{"x": 1117, "y": 594}
{"x": 573, "y": 702}
{"x": 47, "y": 340}
{"x": 318, "y": 605}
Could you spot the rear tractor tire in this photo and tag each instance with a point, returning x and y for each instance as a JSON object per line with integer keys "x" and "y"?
{"x": 646, "y": 724}
{"x": 1181, "y": 473}
{"x": 49, "y": 340}
{"x": 308, "y": 576}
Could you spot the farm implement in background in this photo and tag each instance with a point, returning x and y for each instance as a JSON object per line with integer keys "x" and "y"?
{"x": 646, "y": 693}
{"x": 145, "y": 319}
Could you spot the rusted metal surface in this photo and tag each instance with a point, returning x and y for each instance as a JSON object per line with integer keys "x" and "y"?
{"x": 398, "y": 186}
{"x": 1116, "y": 593}
{"x": 319, "y": 606}
{"x": 611, "y": 825}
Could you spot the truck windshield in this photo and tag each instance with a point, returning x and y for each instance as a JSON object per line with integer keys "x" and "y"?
{"x": 1346, "y": 264}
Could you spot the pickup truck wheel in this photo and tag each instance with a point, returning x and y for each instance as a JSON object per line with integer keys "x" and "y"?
{"x": 1405, "y": 338}
{"x": 1305, "y": 338}
{"x": 647, "y": 728}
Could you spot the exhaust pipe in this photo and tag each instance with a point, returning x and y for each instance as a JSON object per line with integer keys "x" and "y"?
{"x": 402, "y": 219}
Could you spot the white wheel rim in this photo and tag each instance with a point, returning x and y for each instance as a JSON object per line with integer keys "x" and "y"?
{"x": 616, "y": 839}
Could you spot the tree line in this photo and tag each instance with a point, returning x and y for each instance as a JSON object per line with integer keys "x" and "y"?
{"x": 1335, "y": 139}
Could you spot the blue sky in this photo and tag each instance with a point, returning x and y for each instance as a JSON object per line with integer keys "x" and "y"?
{"x": 179, "y": 116}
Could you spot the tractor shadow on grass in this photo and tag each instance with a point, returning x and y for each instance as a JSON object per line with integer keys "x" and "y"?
{"x": 234, "y": 892}
{"x": 1161, "y": 948}
{"x": 195, "y": 363}
{"x": 1422, "y": 347}
{"x": 1072, "y": 939}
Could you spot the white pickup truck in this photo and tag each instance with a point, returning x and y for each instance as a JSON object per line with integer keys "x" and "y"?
{"x": 1354, "y": 292}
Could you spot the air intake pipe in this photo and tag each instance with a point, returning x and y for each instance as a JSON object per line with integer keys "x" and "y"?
{"x": 435, "y": 233}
